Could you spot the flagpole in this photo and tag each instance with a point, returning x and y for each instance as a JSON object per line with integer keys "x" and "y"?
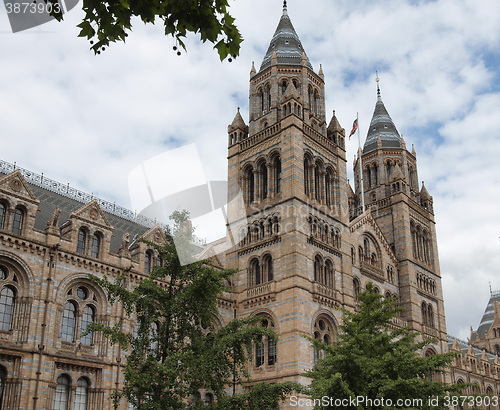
{"x": 360, "y": 167}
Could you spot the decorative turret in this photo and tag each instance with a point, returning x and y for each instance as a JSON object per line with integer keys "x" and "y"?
{"x": 425, "y": 199}
{"x": 238, "y": 130}
{"x": 335, "y": 132}
{"x": 381, "y": 126}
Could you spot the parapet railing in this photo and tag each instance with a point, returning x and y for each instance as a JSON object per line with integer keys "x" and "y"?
{"x": 69, "y": 192}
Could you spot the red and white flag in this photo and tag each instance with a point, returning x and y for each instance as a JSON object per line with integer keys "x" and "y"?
{"x": 354, "y": 127}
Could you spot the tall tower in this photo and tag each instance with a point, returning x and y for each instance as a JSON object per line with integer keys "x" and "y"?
{"x": 290, "y": 165}
{"x": 405, "y": 215}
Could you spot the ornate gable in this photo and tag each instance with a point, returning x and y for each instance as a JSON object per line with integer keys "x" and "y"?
{"x": 366, "y": 220}
{"x": 93, "y": 214}
{"x": 15, "y": 185}
{"x": 155, "y": 234}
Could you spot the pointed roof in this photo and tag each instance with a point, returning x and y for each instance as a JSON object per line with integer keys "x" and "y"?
{"x": 424, "y": 194}
{"x": 383, "y": 127}
{"x": 488, "y": 316}
{"x": 238, "y": 123}
{"x": 285, "y": 43}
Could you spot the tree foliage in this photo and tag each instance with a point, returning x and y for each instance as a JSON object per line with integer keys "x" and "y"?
{"x": 111, "y": 21}
{"x": 374, "y": 359}
{"x": 177, "y": 349}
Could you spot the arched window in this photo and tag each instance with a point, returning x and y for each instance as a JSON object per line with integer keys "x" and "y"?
{"x": 317, "y": 182}
{"x": 81, "y": 394}
{"x": 255, "y": 272}
{"x": 96, "y": 245}
{"x": 3, "y": 211}
{"x": 82, "y": 240}
{"x": 318, "y": 268}
{"x": 268, "y": 266}
{"x": 80, "y": 311}
{"x": 266, "y": 346}
{"x": 430, "y": 316}
{"x": 284, "y": 85}
{"x": 307, "y": 175}
{"x": 356, "y": 286}
{"x": 424, "y": 314}
{"x": 87, "y": 319}
{"x": 251, "y": 185}
{"x": 17, "y": 223}
{"x": 7, "y": 305}
{"x": 263, "y": 176}
{"x": 329, "y": 274}
{"x": 61, "y": 395}
{"x": 147, "y": 262}
{"x": 68, "y": 324}
{"x": 277, "y": 174}
{"x": 259, "y": 352}
{"x": 325, "y": 332}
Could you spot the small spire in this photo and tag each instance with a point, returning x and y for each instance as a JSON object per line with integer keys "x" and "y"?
{"x": 320, "y": 73}
{"x": 253, "y": 71}
{"x": 284, "y": 7}
{"x": 377, "y": 79}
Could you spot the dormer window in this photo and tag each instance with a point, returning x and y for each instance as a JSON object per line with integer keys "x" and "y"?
{"x": 82, "y": 239}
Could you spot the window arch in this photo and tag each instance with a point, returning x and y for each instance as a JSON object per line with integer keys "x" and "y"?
{"x": 250, "y": 180}
{"x": 147, "y": 262}
{"x": 329, "y": 274}
{"x": 3, "y": 212}
{"x": 318, "y": 268}
{"x": 17, "y": 223}
{"x": 80, "y": 310}
{"x": 268, "y": 268}
{"x": 356, "y": 286}
{"x": 308, "y": 173}
{"x": 266, "y": 346}
{"x": 325, "y": 332}
{"x": 68, "y": 324}
{"x": 264, "y": 179}
{"x": 255, "y": 272}
{"x": 81, "y": 394}
{"x": 61, "y": 395}
{"x": 7, "y": 306}
{"x": 430, "y": 316}
{"x": 277, "y": 174}
{"x": 96, "y": 245}
{"x": 82, "y": 241}
{"x": 424, "y": 314}
{"x": 88, "y": 318}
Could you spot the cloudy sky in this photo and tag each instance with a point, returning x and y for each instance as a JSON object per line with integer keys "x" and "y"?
{"x": 89, "y": 120}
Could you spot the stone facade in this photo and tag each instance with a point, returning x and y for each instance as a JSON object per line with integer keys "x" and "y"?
{"x": 310, "y": 246}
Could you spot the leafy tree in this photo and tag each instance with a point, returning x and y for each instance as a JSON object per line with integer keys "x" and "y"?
{"x": 175, "y": 349}
{"x": 110, "y": 21}
{"x": 373, "y": 359}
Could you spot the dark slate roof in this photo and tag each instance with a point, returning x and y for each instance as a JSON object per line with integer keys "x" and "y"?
{"x": 286, "y": 43}
{"x": 383, "y": 127}
{"x": 50, "y": 200}
{"x": 488, "y": 315}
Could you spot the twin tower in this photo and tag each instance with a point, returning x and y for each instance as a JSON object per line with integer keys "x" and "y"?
{"x": 309, "y": 247}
